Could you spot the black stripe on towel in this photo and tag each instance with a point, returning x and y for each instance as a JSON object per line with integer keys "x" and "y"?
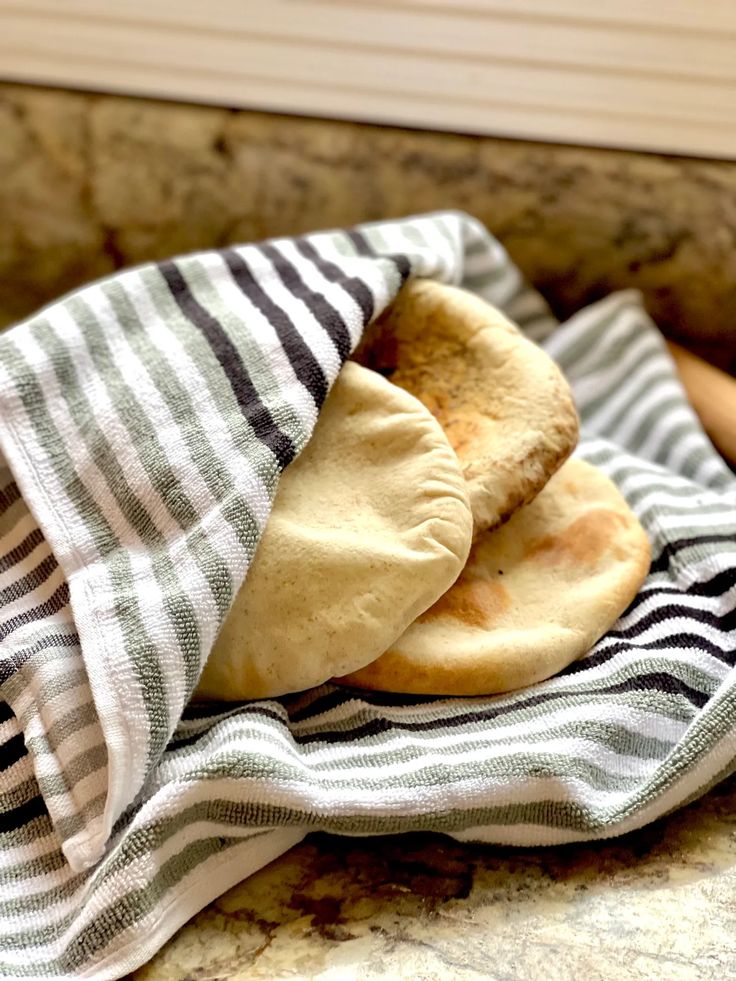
{"x": 353, "y": 286}
{"x": 670, "y": 549}
{"x": 19, "y": 657}
{"x": 30, "y": 581}
{"x": 21, "y": 551}
{"x": 257, "y": 414}
{"x": 317, "y": 304}
{"x": 363, "y": 247}
{"x": 48, "y": 608}
{"x": 8, "y": 495}
{"x": 12, "y": 751}
{"x": 306, "y": 366}
{"x": 653, "y": 681}
{"x": 16, "y": 817}
{"x": 660, "y": 615}
{"x": 645, "y": 681}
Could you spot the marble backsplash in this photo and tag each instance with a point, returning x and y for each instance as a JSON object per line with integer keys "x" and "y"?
{"x": 91, "y": 183}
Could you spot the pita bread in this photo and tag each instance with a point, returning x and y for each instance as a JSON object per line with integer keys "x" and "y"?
{"x": 370, "y": 525}
{"x": 502, "y": 401}
{"x": 536, "y": 594}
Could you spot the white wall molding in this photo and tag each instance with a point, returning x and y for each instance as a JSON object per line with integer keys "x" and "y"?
{"x": 659, "y": 75}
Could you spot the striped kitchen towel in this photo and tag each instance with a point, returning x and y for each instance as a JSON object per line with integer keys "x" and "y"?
{"x": 144, "y": 422}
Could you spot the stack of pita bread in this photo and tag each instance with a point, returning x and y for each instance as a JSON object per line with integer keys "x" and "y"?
{"x": 433, "y": 537}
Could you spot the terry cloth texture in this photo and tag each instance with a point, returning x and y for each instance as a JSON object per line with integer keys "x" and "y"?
{"x": 144, "y": 421}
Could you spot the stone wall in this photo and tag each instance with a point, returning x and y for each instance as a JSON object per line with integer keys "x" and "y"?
{"x": 91, "y": 183}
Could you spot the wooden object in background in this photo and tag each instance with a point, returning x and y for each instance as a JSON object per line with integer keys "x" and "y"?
{"x": 653, "y": 76}
{"x": 713, "y": 396}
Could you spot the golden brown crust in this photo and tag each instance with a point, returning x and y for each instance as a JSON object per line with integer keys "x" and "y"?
{"x": 534, "y": 595}
{"x": 503, "y": 403}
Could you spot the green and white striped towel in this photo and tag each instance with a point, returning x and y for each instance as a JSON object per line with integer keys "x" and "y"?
{"x": 144, "y": 422}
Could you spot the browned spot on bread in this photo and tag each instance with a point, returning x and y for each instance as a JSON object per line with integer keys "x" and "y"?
{"x": 462, "y": 431}
{"x": 476, "y": 602}
{"x": 436, "y": 401}
{"x": 583, "y": 541}
{"x": 497, "y": 396}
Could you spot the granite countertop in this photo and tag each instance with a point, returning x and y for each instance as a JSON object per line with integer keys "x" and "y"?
{"x": 89, "y": 184}
{"x": 659, "y": 903}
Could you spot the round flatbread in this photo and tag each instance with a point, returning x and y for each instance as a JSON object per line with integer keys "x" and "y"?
{"x": 503, "y": 403}
{"x": 536, "y": 594}
{"x": 370, "y": 525}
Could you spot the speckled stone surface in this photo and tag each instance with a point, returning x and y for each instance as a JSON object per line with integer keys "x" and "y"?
{"x": 656, "y": 905}
{"x": 91, "y": 183}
